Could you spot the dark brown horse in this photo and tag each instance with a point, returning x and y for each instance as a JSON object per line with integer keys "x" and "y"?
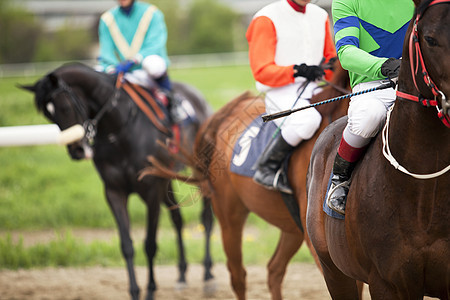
{"x": 396, "y": 233}
{"x": 234, "y": 196}
{"x": 122, "y": 137}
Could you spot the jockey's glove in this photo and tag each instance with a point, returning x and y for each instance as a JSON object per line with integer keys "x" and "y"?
{"x": 390, "y": 68}
{"x": 125, "y": 66}
{"x": 312, "y": 73}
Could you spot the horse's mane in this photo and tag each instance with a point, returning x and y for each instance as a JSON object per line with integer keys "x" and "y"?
{"x": 422, "y": 7}
{"x": 49, "y": 82}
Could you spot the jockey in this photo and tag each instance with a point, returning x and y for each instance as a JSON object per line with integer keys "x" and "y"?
{"x": 369, "y": 39}
{"x": 132, "y": 39}
{"x": 288, "y": 40}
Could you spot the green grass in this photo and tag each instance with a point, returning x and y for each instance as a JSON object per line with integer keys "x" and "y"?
{"x": 42, "y": 188}
{"x": 67, "y": 250}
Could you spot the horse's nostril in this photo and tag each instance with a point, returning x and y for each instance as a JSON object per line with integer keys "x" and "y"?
{"x": 76, "y": 153}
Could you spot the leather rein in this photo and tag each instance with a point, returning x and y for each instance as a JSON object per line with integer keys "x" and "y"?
{"x": 414, "y": 48}
{"x": 90, "y": 125}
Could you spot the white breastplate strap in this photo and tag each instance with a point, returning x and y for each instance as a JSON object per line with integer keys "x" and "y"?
{"x": 129, "y": 51}
{"x": 388, "y": 155}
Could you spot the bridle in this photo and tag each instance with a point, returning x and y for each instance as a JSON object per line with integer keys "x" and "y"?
{"x": 89, "y": 125}
{"x": 442, "y": 112}
{"x": 414, "y": 48}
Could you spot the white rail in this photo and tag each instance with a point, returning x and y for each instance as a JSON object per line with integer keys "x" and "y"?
{"x": 44, "y": 134}
{"x": 177, "y": 62}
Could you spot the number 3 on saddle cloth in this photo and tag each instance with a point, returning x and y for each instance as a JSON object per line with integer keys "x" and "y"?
{"x": 154, "y": 104}
{"x": 249, "y": 147}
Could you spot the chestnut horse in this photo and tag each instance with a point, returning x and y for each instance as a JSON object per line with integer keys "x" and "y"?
{"x": 395, "y": 235}
{"x": 234, "y": 196}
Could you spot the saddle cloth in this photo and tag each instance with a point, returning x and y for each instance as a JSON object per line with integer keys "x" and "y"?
{"x": 250, "y": 145}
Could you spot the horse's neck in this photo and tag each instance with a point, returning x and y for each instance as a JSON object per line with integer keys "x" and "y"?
{"x": 90, "y": 83}
{"x": 98, "y": 92}
{"x": 416, "y": 135}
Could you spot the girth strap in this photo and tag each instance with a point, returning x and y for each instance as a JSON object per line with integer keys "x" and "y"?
{"x": 150, "y": 100}
{"x": 148, "y": 112}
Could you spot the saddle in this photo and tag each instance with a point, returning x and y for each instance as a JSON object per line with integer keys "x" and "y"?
{"x": 155, "y": 105}
{"x": 247, "y": 151}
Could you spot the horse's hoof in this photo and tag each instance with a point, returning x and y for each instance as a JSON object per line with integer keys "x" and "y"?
{"x": 149, "y": 296}
{"x": 181, "y": 286}
{"x": 210, "y": 287}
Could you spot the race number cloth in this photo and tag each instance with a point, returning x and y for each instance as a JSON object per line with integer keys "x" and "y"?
{"x": 250, "y": 145}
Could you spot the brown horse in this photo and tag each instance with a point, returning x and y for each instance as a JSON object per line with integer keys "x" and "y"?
{"x": 234, "y": 196}
{"x": 395, "y": 235}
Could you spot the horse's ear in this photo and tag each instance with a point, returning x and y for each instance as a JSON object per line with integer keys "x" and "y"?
{"x": 417, "y": 2}
{"x": 31, "y": 88}
{"x": 54, "y": 80}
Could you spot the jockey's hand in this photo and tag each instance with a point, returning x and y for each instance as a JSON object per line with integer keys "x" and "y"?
{"x": 312, "y": 73}
{"x": 125, "y": 66}
{"x": 390, "y": 68}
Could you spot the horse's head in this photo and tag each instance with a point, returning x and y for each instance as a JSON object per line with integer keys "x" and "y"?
{"x": 65, "y": 106}
{"x": 427, "y": 55}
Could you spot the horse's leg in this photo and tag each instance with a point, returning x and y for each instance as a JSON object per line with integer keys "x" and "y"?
{"x": 152, "y": 198}
{"x": 117, "y": 200}
{"x": 207, "y": 218}
{"x": 232, "y": 216}
{"x": 340, "y": 286}
{"x": 288, "y": 245}
{"x": 177, "y": 221}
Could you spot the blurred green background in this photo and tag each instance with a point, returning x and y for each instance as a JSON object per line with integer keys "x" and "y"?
{"x": 42, "y": 189}
{"x": 44, "y": 193}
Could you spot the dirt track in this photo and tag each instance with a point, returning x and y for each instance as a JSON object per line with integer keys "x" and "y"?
{"x": 303, "y": 281}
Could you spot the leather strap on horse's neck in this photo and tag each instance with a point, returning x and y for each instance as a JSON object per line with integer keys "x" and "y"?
{"x": 415, "y": 52}
{"x": 130, "y": 89}
{"x": 148, "y": 112}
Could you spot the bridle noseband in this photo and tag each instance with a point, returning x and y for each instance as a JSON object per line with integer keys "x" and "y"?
{"x": 414, "y": 48}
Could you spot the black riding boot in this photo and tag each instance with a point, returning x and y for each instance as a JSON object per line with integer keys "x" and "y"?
{"x": 176, "y": 111}
{"x": 269, "y": 172}
{"x": 340, "y": 183}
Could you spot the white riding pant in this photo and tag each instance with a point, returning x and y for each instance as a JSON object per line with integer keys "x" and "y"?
{"x": 367, "y": 113}
{"x": 153, "y": 67}
{"x": 300, "y": 125}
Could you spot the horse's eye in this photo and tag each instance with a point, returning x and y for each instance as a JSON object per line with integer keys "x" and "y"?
{"x": 50, "y": 108}
{"x": 431, "y": 41}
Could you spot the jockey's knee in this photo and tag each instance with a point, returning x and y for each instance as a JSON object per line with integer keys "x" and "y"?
{"x": 310, "y": 128}
{"x": 155, "y": 66}
{"x": 366, "y": 117}
{"x": 304, "y": 129}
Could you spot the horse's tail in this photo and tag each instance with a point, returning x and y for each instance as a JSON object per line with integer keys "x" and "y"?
{"x": 204, "y": 148}
{"x": 158, "y": 169}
